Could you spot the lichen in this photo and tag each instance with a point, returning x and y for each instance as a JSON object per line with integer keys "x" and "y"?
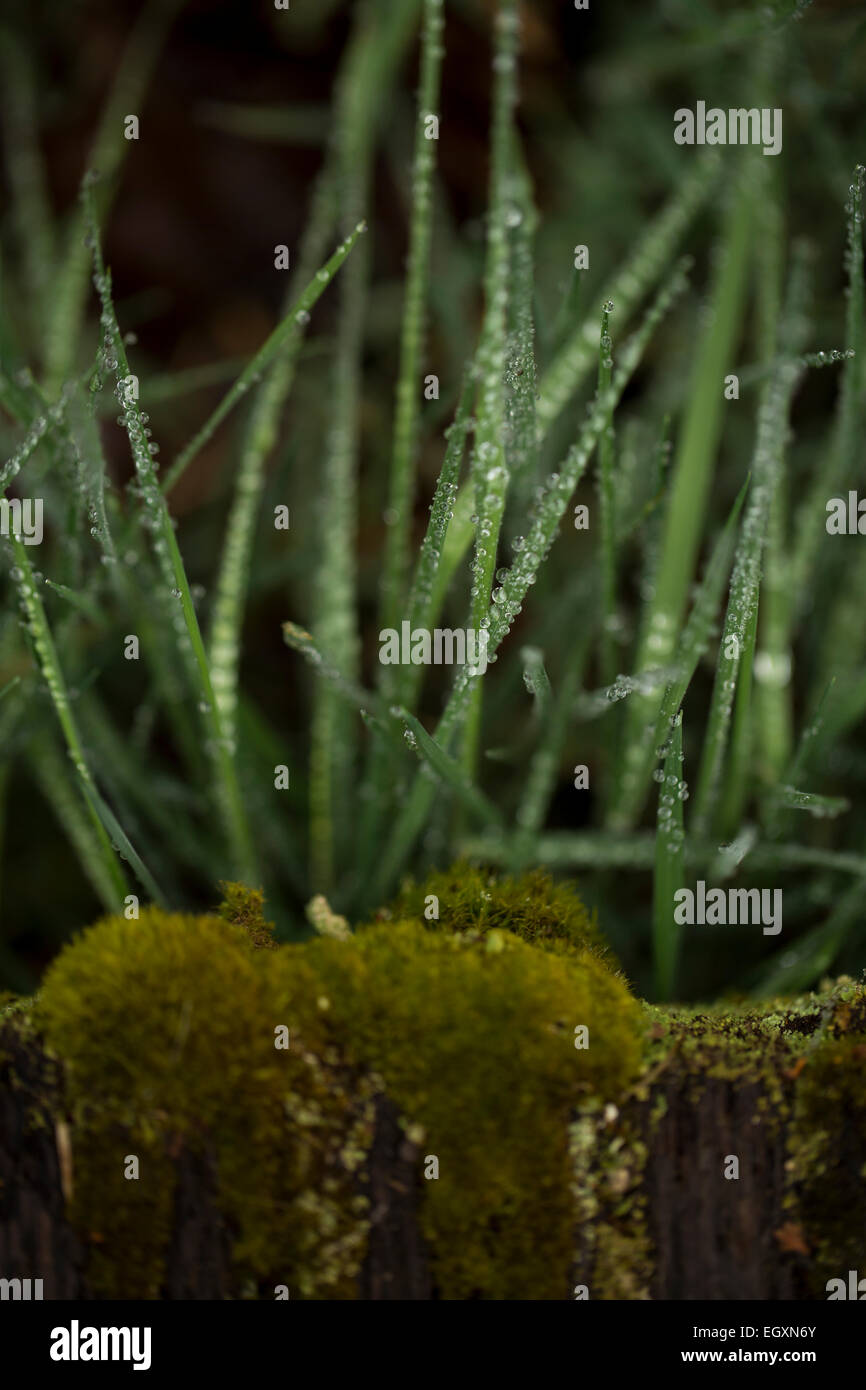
{"x": 608, "y": 1154}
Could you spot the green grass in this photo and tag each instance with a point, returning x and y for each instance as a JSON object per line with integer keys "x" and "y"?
{"x": 704, "y": 627}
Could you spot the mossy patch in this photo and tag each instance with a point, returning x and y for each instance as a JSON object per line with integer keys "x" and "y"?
{"x": 475, "y": 1041}
{"x": 533, "y": 906}
{"x": 166, "y": 1028}
{"x": 245, "y": 907}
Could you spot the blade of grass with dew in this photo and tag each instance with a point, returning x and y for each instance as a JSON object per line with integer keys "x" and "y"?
{"x": 40, "y": 429}
{"x": 604, "y": 849}
{"x": 144, "y": 803}
{"x": 731, "y": 856}
{"x": 644, "y": 268}
{"x": 801, "y": 764}
{"x": 517, "y": 581}
{"x": 669, "y": 866}
{"x": 696, "y": 634}
{"x": 740, "y": 767}
{"x": 448, "y": 537}
{"x": 382, "y": 34}
{"x": 789, "y": 798}
{"x": 423, "y": 605}
{"x": 401, "y": 485}
{"x": 63, "y": 796}
{"x": 842, "y": 458}
{"x": 173, "y": 573}
{"x": 449, "y": 772}
{"x": 70, "y": 285}
{"x": 455, "y": 548}
{"x": 575, "y": 850}
{"x": 738, "y": 640}
{"x": 82, "y": 602}
{"x": 121, "y": 840}
{"x": 286, "y": 330}
{"x": 689, "y": 487}
{"x": 607, "y": 505}
{"x": 607, "y": 514}
{"x": 46, "y": 655}
{"x": 521, "y": 443}
{"x": 259, "y": 440}
{"x": 785, "y": 322}
{"x": 772, "y": 665}
{"x": 489, "y": 465}
{"x": 537, "y": 682}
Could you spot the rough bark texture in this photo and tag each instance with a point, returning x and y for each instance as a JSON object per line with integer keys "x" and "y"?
{"x": 712, "y": 1238}
{"x": 36, "y": 1241}
{"x": 396, "y": 1266}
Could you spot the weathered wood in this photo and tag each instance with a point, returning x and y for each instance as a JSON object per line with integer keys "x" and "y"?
{"x": 714, "y": 1238}
{"x": 710, "y": 1238}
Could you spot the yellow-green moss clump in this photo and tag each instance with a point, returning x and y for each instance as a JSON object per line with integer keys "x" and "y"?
{"x": 166, "y": 1027}
{"x": 245, "y": 907}
{"x": 476, "y": 1043}
{"x": 533, "y": 906}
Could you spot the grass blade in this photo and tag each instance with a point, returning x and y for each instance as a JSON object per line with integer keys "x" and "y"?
{"x": 669, "y": 866}
{"x": 287, "y": 334}
{"x": 46, "y": 655}
{"x": 173, "y": 573}
{"x": 402, "y": 476}
{"x": 69, "y": 290}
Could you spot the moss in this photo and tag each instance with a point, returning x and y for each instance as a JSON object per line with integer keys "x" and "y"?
{"x": 166, "y": 1028}
{"x": 477, "y": 1047}
{"x": 533, "y": 906}
{"x": 245, "y": 907}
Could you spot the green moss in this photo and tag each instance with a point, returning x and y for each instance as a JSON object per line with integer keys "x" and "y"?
{"x": 533, "y": 907}
{"x": 245, "y": 907}
{"x": 477, "y": 1047}
{"x": 166, "y": 1028}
